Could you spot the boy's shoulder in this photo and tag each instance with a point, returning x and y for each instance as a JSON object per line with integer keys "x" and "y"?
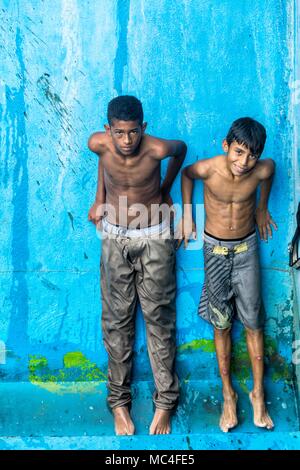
{"x": 265, "y": 168}
{"x": 157, "y": 147}
{"x": 97, "y": 142}
{"x": 205, "y": 168}
{"x": 151, "y": 142}
{"x": 216, "y": 162}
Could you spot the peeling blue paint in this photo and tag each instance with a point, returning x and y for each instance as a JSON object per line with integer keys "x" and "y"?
{"x": 4, "y": 160}
{"x": 123, "y": 8}
{"x": 17, "y": 338}
{"x": 49, "y": 285}
{"x": 65, "y": 314}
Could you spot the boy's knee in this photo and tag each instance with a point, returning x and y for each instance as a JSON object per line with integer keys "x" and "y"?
{"x": 222, "y": 332}
{"x": 254, "y": 332}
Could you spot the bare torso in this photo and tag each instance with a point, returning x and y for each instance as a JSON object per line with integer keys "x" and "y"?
{"x": 230, "y": 202}
{"x": 132, "y": 183}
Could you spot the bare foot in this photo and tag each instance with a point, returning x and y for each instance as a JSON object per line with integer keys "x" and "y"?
{"x": 228, "y": 418}
{"x": 123, "y": 423}
{"x": 161, "y": 422}
{"x": 261, "y": 417}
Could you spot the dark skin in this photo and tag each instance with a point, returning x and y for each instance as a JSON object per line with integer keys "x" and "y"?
{"x": 129, "y": 167}
{"x": 230, "y": 184}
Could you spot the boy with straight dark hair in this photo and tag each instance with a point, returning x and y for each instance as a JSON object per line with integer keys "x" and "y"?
{"x": 232, "y": 277}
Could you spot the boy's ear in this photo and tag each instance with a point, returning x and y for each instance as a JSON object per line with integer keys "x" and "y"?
{"x": 107, "y": 128}
{"x": 144, "y": 125}
{"x": 225, "y": 145}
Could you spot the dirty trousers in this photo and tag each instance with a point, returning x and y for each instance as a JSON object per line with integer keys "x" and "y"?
{"x": 144, "y": 269}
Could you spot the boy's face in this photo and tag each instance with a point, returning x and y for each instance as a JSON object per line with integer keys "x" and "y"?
{"x": 126, "y": 135}
{"x": 240, "y": 159}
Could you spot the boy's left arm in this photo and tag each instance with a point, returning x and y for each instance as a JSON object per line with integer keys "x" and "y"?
{"x": 263, "y": 218}
{"x": 176, "y": 149}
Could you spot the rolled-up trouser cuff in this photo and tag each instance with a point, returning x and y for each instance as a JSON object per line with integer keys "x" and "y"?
{"x": 163, "y": 406}
{"x": 126, "y": 404}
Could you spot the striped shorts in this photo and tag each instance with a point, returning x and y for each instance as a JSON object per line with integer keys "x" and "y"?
{"x": 232, "y": 283}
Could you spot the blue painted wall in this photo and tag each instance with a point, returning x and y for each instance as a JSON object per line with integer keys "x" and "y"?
{"x": 196, "y": 65}
{"x": 296, "y": 122}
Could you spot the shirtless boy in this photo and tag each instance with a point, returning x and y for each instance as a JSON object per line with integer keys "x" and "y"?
{"x": 232, "y": 281}
{"x": 138, "y": 256}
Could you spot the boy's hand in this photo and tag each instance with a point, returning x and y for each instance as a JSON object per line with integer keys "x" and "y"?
{"x": 96, "y": 213}
{"x": 166, "y": 197}
{"x": 185, "y": 231}
{"x": 264, "y": 222}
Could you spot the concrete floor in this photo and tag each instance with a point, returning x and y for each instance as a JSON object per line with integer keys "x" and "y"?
{"x": 75, "y": 416}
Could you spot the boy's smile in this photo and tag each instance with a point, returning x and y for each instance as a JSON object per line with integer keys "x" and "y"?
{"x": 240, "y": 159}
{"x": 126, "y": 135}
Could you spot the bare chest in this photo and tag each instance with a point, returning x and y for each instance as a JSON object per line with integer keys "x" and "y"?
{"x": 135, "y": 172}
{"x": 226, "y": 191}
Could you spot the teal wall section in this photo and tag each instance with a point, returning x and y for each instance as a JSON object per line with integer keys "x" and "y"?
{"x": 196, "y": 65}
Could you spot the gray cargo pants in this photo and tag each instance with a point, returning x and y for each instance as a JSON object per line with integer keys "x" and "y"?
{"x": 143, "y": 268}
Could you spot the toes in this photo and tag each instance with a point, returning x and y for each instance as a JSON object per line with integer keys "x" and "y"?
{"x": 270, "y": 424}
{"x": 263, "y": 424}
{"x": 223, "y": 426}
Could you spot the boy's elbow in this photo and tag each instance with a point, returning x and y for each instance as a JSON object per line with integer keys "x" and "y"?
{"x": 183, "y": 147}
{"x": 272, "y": 166}
{"x": 180, "y": 149}
{"x": 184, "y": 172}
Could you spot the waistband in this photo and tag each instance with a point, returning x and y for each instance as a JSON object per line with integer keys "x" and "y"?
{"x": 249, "y": 239}
{"x": 134, "y": 233}
{"x": 230, "y": 239}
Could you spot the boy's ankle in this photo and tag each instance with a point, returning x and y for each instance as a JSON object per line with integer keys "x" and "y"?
{"x": 229, "y": 394}
{"x": 258, "y": 393}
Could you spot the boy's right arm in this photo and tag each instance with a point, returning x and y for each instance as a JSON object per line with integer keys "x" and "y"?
{"x": 199, "y": 170}
{"x": 97, "y": 210}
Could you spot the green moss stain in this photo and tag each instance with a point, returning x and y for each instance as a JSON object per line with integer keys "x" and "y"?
{"x": 240, "y": 364}
{"x": 37, "y": 363}
{"x": 206, "y": 345}
{"x": 75, "y": 359}
{"x": 78, "y": 374}
{"x": 281, "y": 370}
